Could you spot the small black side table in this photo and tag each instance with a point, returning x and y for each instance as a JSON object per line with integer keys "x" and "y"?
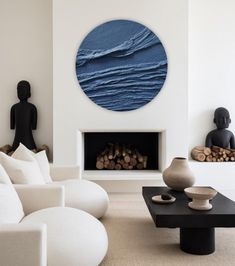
{"x": 197, "y": 228}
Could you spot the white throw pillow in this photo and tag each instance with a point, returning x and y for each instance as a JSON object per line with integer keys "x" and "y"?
{"x": 4, "y": 178}
{"x": 44, "y": 166}
{"x": 11, "y": 210}
{"x": 21, "y": 172}
{"x": 23, "y": 153}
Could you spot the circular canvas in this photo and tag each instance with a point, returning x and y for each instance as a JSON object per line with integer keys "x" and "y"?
{"x": 121, "y": 65}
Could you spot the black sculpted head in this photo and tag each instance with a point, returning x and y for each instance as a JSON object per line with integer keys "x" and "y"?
{"x": 220, "y": 136}
{"x": 23, "y": 90}
{"x": 222, "y": 118}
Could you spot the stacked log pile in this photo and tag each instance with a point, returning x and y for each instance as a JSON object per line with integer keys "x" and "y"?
{"x": 214, "y": 154}
{"x": 120, "y": 157}
{"x": 8, "y": 149}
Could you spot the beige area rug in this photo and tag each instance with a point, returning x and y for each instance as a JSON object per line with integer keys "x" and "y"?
{"x": 135, "y": 241}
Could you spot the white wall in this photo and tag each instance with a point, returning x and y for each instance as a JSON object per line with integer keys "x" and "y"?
{"x": 211, "y": 82}
{"x": 73, "y": 111}
{"x": 211, "y": 65}
{"x": 26, "y": 53}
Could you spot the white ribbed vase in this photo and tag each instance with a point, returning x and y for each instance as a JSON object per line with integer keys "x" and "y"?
{"x": 178, "y": 175}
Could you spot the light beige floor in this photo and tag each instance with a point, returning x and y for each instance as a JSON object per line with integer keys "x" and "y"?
{"x": 135, "y": 241}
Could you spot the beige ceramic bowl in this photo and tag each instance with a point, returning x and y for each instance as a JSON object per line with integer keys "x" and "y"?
{"x": 200, "y": 197}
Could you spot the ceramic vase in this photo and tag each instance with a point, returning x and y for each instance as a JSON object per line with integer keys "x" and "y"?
{"x": 178, "y": 175}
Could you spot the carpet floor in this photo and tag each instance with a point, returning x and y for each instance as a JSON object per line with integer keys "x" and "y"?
{"x": 135, "y": 241}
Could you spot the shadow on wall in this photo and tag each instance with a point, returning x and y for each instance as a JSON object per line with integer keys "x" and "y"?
{"x": 199, "y": 126}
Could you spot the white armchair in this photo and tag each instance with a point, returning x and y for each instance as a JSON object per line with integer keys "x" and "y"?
{"x": 79, "y": 193}
{"x": 55, "y": 236}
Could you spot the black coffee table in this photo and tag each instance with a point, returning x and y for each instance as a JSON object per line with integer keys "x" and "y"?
{"x": 197, "y": 228}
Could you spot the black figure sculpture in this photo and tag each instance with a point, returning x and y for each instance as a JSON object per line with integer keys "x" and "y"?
{"x": 221, "y": 137}
{"x": 23, "y": 117}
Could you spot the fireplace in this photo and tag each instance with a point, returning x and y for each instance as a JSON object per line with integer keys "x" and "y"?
{"x": 146, "y": 143}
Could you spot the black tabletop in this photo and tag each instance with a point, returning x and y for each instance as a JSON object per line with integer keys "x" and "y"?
{"x": 178, "y": 214}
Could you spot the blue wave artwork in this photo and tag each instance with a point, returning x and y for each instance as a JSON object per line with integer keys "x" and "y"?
{"x": 121, "y": 65}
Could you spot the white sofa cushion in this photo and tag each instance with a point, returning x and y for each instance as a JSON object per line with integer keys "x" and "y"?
{"x": 11, "y": 210}
{"x": 74, "y": 237}
{"x": 23, "y": 153}
{"x": 85, "y": 195}
{"x": 4, "y": 178}
{"x": 21, "y": 172}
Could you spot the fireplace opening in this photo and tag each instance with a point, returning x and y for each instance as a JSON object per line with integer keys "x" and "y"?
{"x": 123, "y": 150}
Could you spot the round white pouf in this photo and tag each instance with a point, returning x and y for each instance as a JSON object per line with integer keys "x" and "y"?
{"x": 74, "y": 237}
{"x": 85, "y": 195}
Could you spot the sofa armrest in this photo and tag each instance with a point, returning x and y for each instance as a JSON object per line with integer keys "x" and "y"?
{"x": 36, "y": 197}
{"x": 23, "y": 244}
{"x": 59, "y": 173}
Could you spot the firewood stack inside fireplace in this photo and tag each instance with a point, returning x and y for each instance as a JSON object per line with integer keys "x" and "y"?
{"x": 117, "y": 156}
{"x": 121, "y": 151}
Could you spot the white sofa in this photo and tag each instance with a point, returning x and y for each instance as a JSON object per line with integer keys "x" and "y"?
{"x": 26, "y": 167}
{"x": 55, "y": 236}
{"x": 79, "y": 193}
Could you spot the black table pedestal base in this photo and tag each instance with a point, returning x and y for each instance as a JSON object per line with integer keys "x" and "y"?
{"x": 199, "y": 241}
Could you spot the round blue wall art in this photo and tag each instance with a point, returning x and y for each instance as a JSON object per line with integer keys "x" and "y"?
{"x": 121, "y": 65}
